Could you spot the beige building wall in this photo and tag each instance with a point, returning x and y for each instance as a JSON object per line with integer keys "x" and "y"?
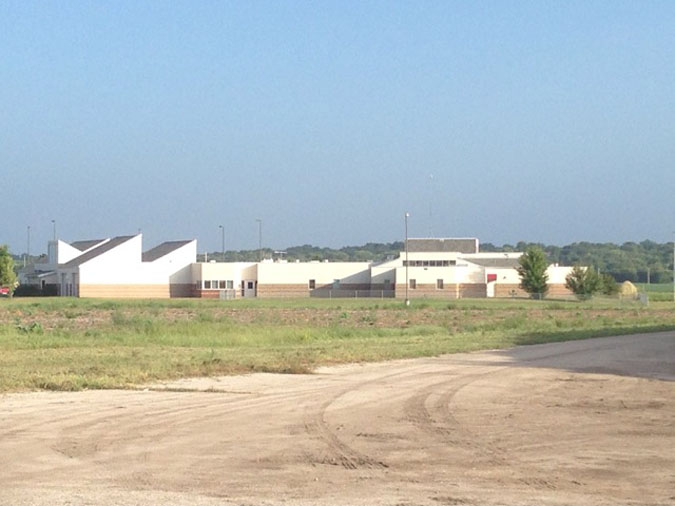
{"x": 236, "y": 272}
{"x": 508, "y": 282}
{"x": 292, "y": 279}
{"x": 127, "y": 291}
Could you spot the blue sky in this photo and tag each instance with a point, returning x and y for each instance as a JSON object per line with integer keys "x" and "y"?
{"x": 541, "y": 121}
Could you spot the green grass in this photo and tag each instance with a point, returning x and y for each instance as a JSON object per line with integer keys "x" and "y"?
{"x": 72, "y": 344}
{"x": 658, "y": 292}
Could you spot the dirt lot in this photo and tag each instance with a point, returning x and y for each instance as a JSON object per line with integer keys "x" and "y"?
{"x": 585, "y": 422}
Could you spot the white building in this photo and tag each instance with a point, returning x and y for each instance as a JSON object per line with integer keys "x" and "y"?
{"x": 117, "y": 267}
{"x": 441, "y": 268}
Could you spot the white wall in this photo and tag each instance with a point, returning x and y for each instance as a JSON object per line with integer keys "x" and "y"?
{"x": 175, "y": 265}
{"x": 322, "y": 272}
{"x": 223, "y": 271}
{"x": 463, "y": 272}
{"x": 379, "y": 274}
{"x": 122, "y": 265}
{"x": 557, "y": 275}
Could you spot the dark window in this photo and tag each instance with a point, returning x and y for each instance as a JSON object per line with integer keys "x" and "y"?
{"x": 222, "y": 284}
{"x": 207, "y": 285}
{"x": 413, "y": 283}
{"x": 439, "y": 284}
{"x": 312, "y": 284}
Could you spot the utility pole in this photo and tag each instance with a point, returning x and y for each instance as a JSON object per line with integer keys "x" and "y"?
{"x": 259, "y": 239}
{"x": 27, "y": 245}
{"x": 431, "y": 203}
{"x": 222, "y": 238}
{"x": 54, "y": 228}
{"x": 407, "y": 260}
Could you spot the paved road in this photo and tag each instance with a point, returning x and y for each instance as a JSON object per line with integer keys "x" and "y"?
{"x": 587, "y": 422}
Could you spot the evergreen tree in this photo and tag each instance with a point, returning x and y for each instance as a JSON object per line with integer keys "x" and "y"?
{"x": 532, "y": 272}
{"x": 584, "y": 281}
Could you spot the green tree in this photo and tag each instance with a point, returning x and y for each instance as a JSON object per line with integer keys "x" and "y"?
{"x": 609, "y": 284}
{"x": 584, "y": 281}
{"x": 7, "y": 274}
{"x": 532, "y": 272}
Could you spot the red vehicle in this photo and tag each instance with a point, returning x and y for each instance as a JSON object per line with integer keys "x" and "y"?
{"x": 4, "y": 291}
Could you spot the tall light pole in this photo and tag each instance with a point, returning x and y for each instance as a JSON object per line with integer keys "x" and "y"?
{"x": 259, "y": 239}
{"x": 54, "y": 228}
{"x": 27, "y": 245}
{"x": 407, "y": 261}
{"x": 673, "y": 266}
{"x": 431, "y": 203}
{"x": 222, "y": 238}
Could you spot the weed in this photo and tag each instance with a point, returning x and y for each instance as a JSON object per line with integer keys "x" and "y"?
{"x": 33, "y": 328}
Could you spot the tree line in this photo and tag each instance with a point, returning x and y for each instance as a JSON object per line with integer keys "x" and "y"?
{"x": 631, "y": 261}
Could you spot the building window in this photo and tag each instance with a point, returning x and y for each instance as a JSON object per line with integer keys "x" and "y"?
{"x": 214, "y": 284}
{"x": 439, "y": 284}
{"x": 413, "y": 283}
{"x": 229, "y": 284}
{"x": 312, "y": 284}
{"x": 250, "y": 285}
{"x": 429, "y": 263}
{"x": 207, "y": 285}
{"x": 222, "y": 284}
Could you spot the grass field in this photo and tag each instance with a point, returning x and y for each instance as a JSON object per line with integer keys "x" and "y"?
{"x": 658, "y": 292}
{"x": 71, "y": 344}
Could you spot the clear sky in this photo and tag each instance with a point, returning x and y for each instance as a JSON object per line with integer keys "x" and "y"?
{"x": 549, "y": 121}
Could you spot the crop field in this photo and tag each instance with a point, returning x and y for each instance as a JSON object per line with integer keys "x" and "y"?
{"x": 73, "y": 344}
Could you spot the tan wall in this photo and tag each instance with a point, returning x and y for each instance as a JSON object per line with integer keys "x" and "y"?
{"x": 449, "y": 291}
{"x": 125, "y": 291}
{"x": 505, "y": 290}
{"x": 302, "y": 290}
{"x": 206, "y": 294}
{"x": 283, "y": 290}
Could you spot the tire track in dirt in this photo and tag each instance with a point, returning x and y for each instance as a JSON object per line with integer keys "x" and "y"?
{"x": 340, "y": 453}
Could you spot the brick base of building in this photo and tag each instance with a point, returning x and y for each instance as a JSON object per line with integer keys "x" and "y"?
{"x": 449, "y": 291}
{"x": 514, "y": 290}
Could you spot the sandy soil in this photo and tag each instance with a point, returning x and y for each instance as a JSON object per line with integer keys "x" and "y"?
{"x": 585, "y": 423}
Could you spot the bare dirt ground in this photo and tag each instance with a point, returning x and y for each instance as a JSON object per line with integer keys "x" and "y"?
{"x": 584, "y": 423}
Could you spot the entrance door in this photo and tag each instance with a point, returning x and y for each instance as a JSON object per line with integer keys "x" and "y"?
{"x": 250, "y": 287}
